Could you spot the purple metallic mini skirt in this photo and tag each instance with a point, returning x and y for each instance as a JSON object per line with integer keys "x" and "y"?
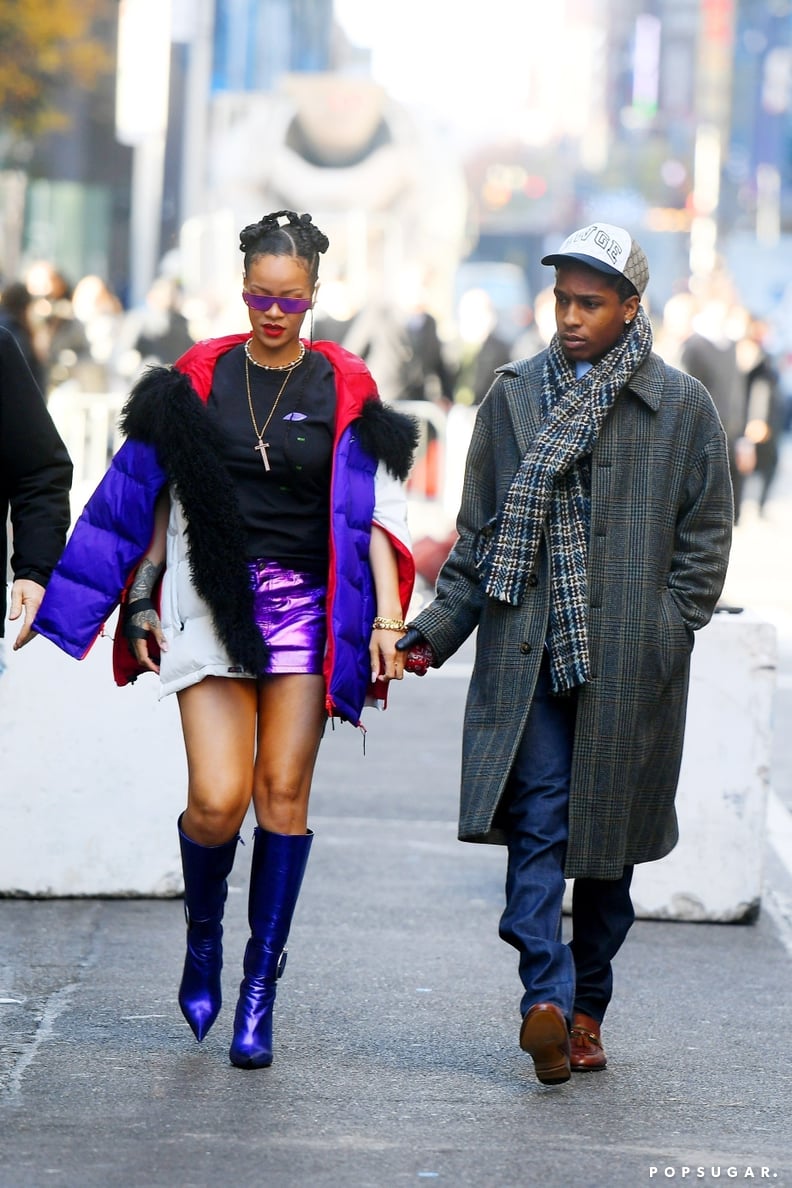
{"x": 289, "y": 608}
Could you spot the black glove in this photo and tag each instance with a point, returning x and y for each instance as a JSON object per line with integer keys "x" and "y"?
{"x": 411, "y": 637}
{"x": 419, "y": 656}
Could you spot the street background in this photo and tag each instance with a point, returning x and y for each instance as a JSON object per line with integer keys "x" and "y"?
{"x": 444, "y": 155}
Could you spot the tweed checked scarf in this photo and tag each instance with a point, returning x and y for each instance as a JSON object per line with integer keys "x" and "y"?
{"x": 552, "y": 486}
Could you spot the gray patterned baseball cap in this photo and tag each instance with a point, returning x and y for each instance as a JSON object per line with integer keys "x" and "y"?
{"x": 607, "y": 249}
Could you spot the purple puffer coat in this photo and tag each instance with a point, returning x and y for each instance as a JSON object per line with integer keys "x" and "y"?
{"x": 169, "y": 440}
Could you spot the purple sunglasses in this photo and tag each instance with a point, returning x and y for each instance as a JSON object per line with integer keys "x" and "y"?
{"x": 288, "y": 305}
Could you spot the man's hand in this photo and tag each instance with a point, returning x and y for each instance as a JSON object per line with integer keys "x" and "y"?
{"x": 25, "y": 595}
{"x": 419, "y": 656}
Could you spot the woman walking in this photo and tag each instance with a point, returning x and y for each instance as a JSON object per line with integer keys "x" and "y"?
{"x": 253, "y": 526}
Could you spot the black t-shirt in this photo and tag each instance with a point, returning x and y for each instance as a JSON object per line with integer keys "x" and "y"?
{"x": 286, "y": 509}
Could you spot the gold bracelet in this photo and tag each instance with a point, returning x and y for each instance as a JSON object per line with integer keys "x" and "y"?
{"x": 389, "y": 624}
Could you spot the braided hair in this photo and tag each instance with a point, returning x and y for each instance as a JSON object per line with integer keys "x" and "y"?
{"x": 299, "y": 237}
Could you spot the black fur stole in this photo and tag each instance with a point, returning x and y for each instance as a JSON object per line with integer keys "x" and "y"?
{"x": 164, "y": 410}
{"x": 389, "y": 436}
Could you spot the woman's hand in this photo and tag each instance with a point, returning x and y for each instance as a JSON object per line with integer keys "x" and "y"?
{"x": 140, "y": 621}
{"x": 387, "y": 664}
{"x": 139, "y": 618}
{"x": 388, "y": 625}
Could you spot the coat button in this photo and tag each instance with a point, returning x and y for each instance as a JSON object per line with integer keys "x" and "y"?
{"x": 525, "y": 648}
{"x": 533, "y": 580}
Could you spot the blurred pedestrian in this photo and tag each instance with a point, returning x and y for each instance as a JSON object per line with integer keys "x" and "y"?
{"x": 375, "y": 334}
{"x": 426, "y": 375}
{"x": 335, "y": 310}
{"x": 280, "y": 605}
{"x": 35, "y": 480}
{"x": 710, "y": 354}
{"x": 764, "y": 415}
{"x": 482, "y": 349}
{"x": 594, "y": 534}
{"x": 676, "y": 326}
{"x": 101, "y": 315}
{"x": 15, "y": 306}
{"x": 60, "y": 335}
{"x": 157, "y": 332}
{"x": 541, "y": 329}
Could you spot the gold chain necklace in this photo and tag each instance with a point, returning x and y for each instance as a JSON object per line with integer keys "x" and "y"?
{"x": 274, "y": 366}
{"x": 262, "y": 445}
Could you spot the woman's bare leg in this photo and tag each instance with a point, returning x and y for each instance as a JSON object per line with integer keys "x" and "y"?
{"x": 291, "y": 719}
{"x": 219, "y": 726}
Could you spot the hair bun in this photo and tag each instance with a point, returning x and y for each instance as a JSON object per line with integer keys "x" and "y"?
{"x": 318, "y": 239}
{"x": 308, "y": 233}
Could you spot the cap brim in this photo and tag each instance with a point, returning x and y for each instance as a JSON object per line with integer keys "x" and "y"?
{"x": 589, "y": 261}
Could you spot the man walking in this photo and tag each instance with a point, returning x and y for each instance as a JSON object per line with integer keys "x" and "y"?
{"x": 594, "y": 534}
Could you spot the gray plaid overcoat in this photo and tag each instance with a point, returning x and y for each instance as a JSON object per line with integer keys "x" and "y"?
{"x": 661, "y": 515}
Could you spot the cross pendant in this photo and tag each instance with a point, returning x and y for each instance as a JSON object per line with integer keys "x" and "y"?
{"x": 261, "y": 446}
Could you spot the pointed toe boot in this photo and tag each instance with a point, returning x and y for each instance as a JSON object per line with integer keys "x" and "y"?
{"x": 276, "y": 875}
{"x": 206, "y": 870}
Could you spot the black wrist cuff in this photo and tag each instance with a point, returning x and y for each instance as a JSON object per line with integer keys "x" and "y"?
{"x": 140, "y": 604}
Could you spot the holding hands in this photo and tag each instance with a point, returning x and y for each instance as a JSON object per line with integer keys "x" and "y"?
{"x": 419, "y": 655}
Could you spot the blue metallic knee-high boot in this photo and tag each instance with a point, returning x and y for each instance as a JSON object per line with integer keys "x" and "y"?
{"x": 206, "y": 869}
{"x": 276, "y": 875}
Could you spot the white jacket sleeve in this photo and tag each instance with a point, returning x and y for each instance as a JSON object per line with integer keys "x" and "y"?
{"x": 390, "y": 506}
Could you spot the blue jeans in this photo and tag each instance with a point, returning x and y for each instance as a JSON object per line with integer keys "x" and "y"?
{"x": 578, "y": 976}
{"x": 602, "y": 913}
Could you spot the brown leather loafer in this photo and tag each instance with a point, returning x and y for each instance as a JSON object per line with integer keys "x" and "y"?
{"x": 545, "y": 1037}
{"x": 587, "y": 1053}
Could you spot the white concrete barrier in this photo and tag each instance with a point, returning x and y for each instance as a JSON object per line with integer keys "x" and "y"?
{"x": 715, "y": 871}
{"x": 93, "y": 778}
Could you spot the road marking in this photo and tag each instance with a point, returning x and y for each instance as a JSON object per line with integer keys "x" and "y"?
{"x": 54, "y": 1006}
